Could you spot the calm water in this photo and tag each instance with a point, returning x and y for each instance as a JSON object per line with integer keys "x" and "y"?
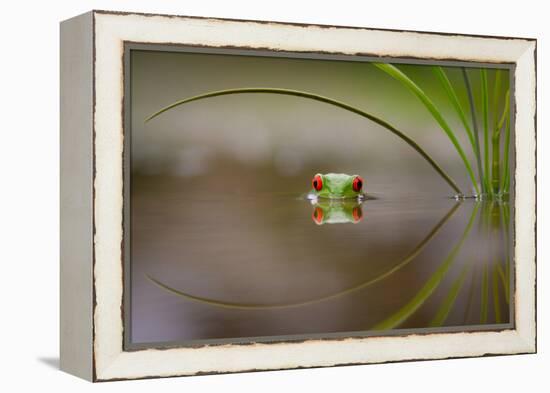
{"x": 224, "y": 243}
{"x": 243, "y": 256}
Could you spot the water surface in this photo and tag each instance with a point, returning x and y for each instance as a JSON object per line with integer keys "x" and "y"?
{"x": 239, "y": 255}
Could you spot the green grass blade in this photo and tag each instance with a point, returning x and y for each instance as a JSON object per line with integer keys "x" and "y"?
{"x": 505, "y": 186}
{"x": 506, "y": 215}
{"x": 475, "y": 127}
{"x": 485, "y": 115}
{"x": 252, "y": 306}
{"x": 505, "y": 112}
{"x": 450, "y": 299}
{"x": 316, "y": 97}
{"x": 495, "y": 169}
{"x": 496, "y": 99}
{"x": 431, "y": 285}
{"x": 453, "y": 98}
{"x": 435, "y": 112}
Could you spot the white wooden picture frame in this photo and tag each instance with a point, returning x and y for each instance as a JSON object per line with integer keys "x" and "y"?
{"x": 92, "y": 195}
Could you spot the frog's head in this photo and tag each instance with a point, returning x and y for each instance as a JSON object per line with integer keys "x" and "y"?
{"x": 337, "y": 211}
{"x": 337, "y": 186}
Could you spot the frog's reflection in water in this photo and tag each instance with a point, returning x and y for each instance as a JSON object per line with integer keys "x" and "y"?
{"x": 333, "y": 211}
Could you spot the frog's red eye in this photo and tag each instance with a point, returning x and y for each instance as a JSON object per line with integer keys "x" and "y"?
{"x": 357, "y": 184}
{"x": 317, "y": 182}
{"x": 357, "y": 214}
{"x": 318, "y": 215}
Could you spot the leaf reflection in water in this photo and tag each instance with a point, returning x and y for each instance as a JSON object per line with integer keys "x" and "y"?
{"x": 252, "y": 306}
{"x": 406, "y": 311}
{"x": 490, "y": 223}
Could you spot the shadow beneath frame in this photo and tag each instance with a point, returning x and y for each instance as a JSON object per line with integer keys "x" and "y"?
{"x": 52, "y": 362}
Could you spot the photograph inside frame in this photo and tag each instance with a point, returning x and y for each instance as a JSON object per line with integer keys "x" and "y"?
{"x": 274, "y": 197}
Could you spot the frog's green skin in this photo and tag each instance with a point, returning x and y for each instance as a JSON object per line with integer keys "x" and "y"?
{"x": 331, "y": 211}
{"x": 337, "y": 186}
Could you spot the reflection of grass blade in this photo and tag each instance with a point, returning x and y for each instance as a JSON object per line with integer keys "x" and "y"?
{"x": 431, "y": 285}
{"x": 470, "y": 296}
{"x": 474, "y": 124}
{"x": 436, "y": 113}
{"x": 485, "y": 114}
{"x": 326, "y": 100}
{"x": 450, "y": 299}
{"x": 206, "y": 300}
{"x": 507, "y": 233}
{"x": 484, "y": 294}
{"x": 506, "y": 241}
{"x": 249, "y": 306}
{"x": 496, "y": 300}
{"x": 502, "y": 276}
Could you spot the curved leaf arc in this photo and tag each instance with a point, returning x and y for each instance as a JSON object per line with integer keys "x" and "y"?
{"x": 330, "y": 101}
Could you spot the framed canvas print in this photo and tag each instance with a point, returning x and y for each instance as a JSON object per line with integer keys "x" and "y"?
{"x": 245, "y": 195}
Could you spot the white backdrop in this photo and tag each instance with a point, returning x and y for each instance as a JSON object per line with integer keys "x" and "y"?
{"x": 29, "y": 195}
